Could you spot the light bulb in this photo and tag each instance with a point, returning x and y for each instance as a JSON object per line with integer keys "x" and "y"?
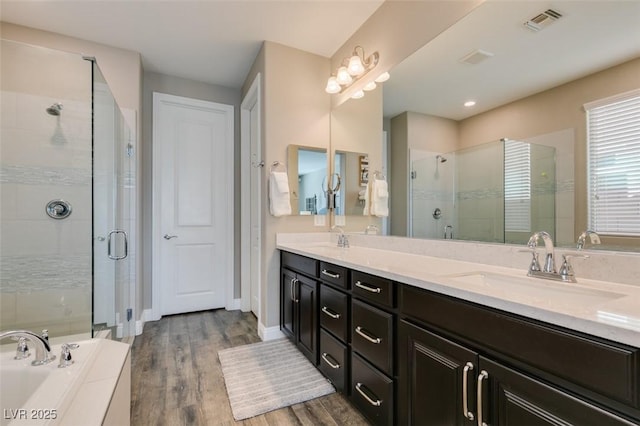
{"x": 355, "y": 66}
{"x": 383, "y": 77}
{"x": 359, "y": 94}
{"x": 332, "y": 85}
{"x": 370, "y": 86}
{"x": 343, "y": 77}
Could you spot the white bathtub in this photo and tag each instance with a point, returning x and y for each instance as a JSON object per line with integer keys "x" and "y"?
{"x": 90, "y": 392}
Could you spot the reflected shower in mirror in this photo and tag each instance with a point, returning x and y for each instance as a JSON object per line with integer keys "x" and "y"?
{"x": 307, "y": 171}
{"x": 512, "y": 194}
{"x": 353, "y": 168}
{"x": 528, "y": 88}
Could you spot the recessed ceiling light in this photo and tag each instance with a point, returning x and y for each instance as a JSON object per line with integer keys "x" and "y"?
{"x": 469, "y": 104}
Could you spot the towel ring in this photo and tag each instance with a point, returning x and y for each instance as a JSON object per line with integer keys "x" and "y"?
{"x": 379, "y": 175}
{"x": 275, "y": 165}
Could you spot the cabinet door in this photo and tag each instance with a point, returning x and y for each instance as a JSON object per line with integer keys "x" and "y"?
{"x": 287, "y": 303}
{"x": 431, "y": 379}
{"x": 513, "y": 398}
{"x": 307, "y": 316}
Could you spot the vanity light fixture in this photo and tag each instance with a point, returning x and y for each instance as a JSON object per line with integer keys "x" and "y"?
{"x": 353, "y": 69}
{"x": 469, "y": 104}
{"x": 359, "y": 94}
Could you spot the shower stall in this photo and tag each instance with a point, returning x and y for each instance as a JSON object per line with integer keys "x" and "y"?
{"x": 67, "y": 194}
{"x": 499, "y": 192}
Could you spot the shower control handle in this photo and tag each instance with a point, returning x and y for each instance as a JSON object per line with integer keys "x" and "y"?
{"x": 168, "y": 237}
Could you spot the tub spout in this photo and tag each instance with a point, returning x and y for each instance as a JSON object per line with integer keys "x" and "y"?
{"x": 43, "y": 350}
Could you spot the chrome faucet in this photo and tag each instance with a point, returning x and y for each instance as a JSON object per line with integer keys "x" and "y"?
{"x": 373, "y": 228}
{"x": 549, "y": 261}
{"x": 565, "y": 274}
{"x": 43, "y": 350}
{"x": 343, "y": 241}
{"x": 594, "y": 238}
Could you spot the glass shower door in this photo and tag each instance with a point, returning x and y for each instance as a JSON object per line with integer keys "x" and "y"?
{"x": 111, "y": 214}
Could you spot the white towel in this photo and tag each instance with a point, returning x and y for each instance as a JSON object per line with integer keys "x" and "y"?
{"x": 367, "y": 199}
{"x": 280, "y": 204}
{"x": 379, "y": 198}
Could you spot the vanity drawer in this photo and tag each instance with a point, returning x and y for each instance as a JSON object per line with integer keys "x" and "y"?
{"x": 334, "y": 274}
{"x": 333, "y": 360}
{"x": 371, "y": 392}
{"x": 376, "y": 289}
{"x": 334, "y": 308}
{"x": 372, "y": 335}
{"x": 300, "y": 263}
{"x": 606, "y": 368}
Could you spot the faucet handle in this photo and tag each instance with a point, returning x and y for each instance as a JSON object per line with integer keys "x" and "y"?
{"x": 566, "y": 270}
{"x": 535, "y": 263}
{"x": 65, "y": 356}
{"x": 22, "y": 351}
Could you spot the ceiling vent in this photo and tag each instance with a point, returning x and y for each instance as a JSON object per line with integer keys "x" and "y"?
{"x": 476, "y": 57}
{"x": 543, "y": 20}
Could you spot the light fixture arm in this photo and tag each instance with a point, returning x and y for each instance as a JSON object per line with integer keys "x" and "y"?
{"x": 351, "y": 70}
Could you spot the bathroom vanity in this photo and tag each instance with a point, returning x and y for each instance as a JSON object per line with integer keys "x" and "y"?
{"x": 411, "y": 339}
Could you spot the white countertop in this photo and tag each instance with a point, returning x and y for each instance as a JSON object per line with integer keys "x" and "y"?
{"x": 605, "y": 309}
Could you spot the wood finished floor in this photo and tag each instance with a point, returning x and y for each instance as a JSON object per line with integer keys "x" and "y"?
{"x": 176, "y": 377}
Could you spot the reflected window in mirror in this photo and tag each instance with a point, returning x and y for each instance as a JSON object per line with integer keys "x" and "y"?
{"x": 307, "y": 171}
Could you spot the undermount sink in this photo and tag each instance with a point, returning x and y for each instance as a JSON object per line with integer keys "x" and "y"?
{"x": 534, "y": 289}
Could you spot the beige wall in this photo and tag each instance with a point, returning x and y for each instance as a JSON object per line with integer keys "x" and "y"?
{"x": 154, "y": 82}
{"x": 122, "y": 69}
{"x": 554, "y": 110}
{"x": 295, "y": 110}
{"x": 356, "y": 126}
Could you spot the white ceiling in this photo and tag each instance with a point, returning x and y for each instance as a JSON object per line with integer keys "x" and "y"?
{"x": 591, "y": 36}
{"x": 213, "y": 41}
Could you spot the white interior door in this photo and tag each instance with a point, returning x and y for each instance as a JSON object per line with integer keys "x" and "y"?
{"x": 193, "y": 196}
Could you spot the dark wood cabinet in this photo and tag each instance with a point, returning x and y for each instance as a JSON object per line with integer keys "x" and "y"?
{"x": 408, "y": 356}
{"x": 510, "y": 398}
{"x": 299, "y": 305}
{"x": 307, "y": 315}
{"x": 432, "y": 373}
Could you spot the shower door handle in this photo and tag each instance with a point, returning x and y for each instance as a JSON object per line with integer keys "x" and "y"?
{"x": 126, "y": 244}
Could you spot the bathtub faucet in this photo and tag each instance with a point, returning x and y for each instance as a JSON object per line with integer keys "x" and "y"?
{"x": 43, "y": 350}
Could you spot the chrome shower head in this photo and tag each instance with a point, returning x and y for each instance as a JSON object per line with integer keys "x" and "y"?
{"x": 55, "y": 109}
{"x": 441, "y": 158}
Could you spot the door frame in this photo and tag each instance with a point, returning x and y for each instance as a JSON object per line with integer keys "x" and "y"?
{"x": 251, "y": 100}
{"x": 227, "y": 201}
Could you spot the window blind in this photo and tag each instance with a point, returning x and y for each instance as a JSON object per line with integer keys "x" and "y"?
{"x": 517, "y": 186}
{"x": 613, "y": 138}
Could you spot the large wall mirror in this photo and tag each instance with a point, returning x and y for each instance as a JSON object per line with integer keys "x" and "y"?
{"x": 307, "y": 171}
{"x": 356, "y": 153}
{"x": 529, "y": 81}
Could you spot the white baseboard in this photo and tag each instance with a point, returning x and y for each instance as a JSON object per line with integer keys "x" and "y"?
{"x": 147, "y": 315}
{"x": 269, "y": 333}
{"x": 234, "y": 305}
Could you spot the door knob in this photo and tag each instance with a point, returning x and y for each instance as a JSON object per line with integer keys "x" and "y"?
{"x": 168, "y": 237}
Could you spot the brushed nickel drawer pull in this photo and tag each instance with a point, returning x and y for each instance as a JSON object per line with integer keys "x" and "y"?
{"x": 366, "y": 287}
{"x": 329, "y": 274}
{"x": 331, "y": 314}
{"x": 465, "y": 393}
{"x": 481, "y": 378}
{"x": 325, "y": 357}
{"x": 376, "y": 403}
{"x": 361, "y": 331}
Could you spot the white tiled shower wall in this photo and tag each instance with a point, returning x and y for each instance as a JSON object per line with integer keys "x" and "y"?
{"x": 45, "y": 264}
